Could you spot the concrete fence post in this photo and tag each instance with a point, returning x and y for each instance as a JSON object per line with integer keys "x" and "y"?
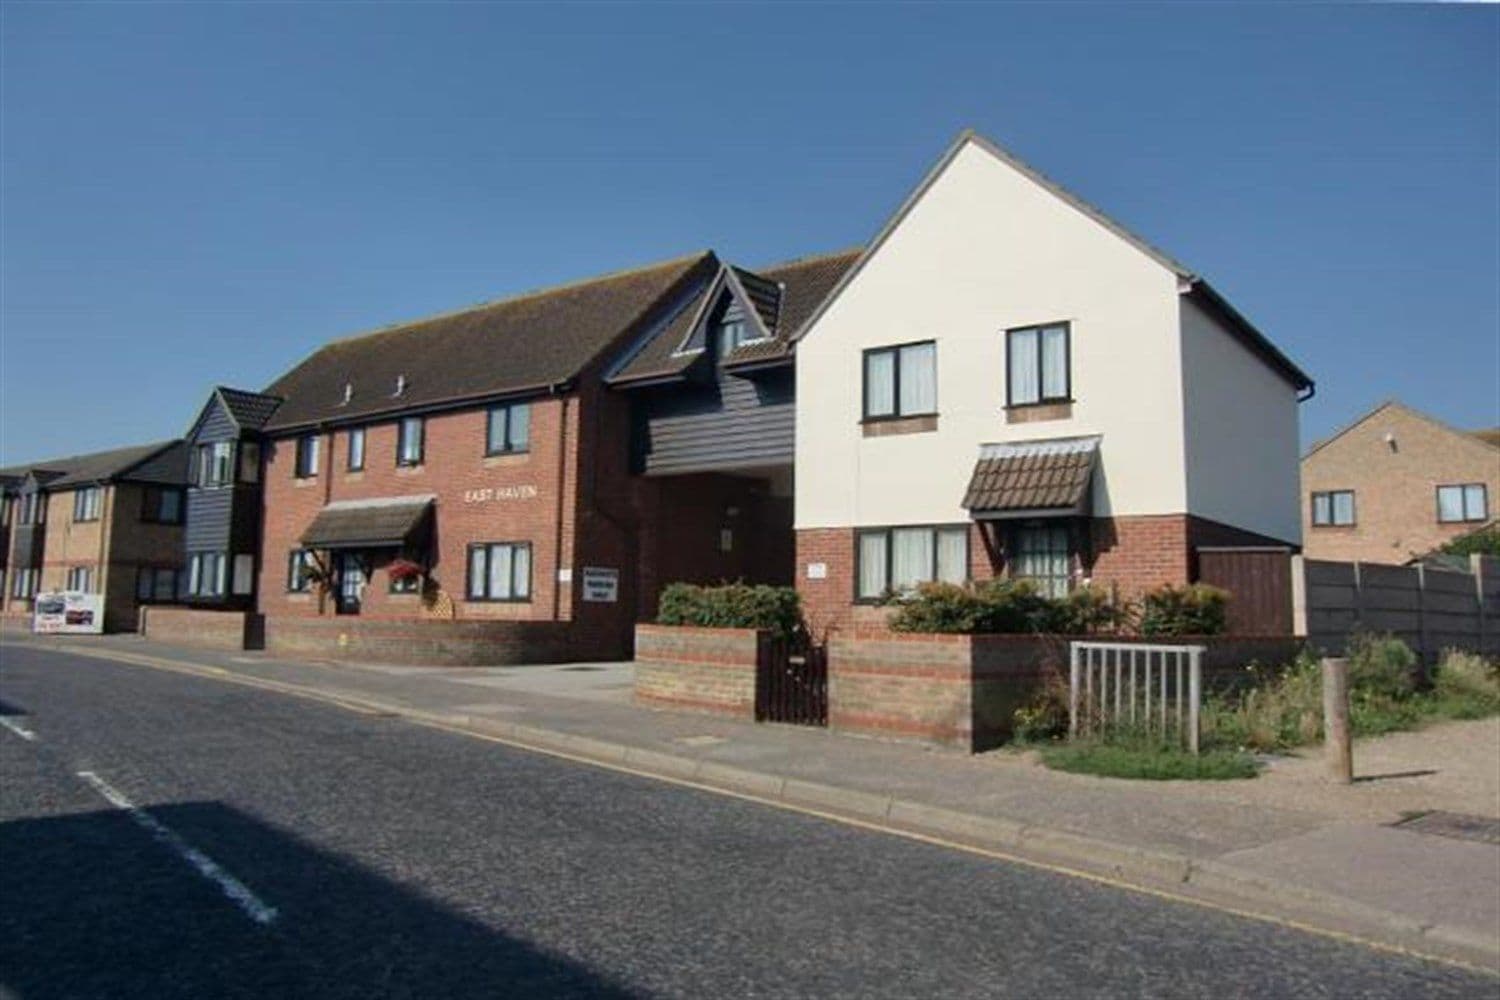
{"x": 1476, "y": 569}
{"x": 1337, "y": 738}
{"x": 1299, "y": 596}
{"x": 1424, "y": 640}
{"x": 1073, "y": 680}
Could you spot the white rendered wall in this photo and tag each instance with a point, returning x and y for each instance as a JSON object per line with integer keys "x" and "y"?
{"x": 1242, "y": 439}
{"x": 986, "y": 249}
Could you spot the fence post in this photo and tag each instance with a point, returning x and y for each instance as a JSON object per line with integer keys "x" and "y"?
{"x": 1423, "y": 637}
{"x": 1337, "y": 743}
{"x": 1195, "y": 695}
{"x": 1299, "y": 596}
{"x": 1073, "y": 681}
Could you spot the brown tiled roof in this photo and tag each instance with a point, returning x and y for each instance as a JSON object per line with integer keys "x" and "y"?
{"x": 530, "y": 341}
{"x": 103, "y": 466}
{"x": 251, "y": 410}
{"x": 1033, "y": 476}
{"x": 804, "y": 284}
{"x": 359, "y": 523}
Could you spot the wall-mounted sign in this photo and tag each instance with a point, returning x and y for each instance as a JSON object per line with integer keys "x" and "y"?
{"x": 68, "y": 612}
{"x": 817, "y": 571}
{"x": 565, "y": 575}
{"x": 601, "y": 584}
{"x": 494, "y": 494}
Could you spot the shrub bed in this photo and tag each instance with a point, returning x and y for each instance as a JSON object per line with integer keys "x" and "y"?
{"x": 1017, "y": 606}
{"x": 732, "y": 605}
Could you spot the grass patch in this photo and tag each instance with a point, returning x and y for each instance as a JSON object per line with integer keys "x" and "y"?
{"x": 1149, "y": 763}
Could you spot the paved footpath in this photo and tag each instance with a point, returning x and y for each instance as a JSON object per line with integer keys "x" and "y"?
{"x": 1287, "y": 845}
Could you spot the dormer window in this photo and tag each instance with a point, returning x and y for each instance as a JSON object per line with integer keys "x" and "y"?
{"x": 734, "y": 330}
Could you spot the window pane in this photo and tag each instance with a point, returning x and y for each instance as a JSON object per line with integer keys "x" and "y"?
{"x": 520, "y": 427}
{"x": 872, "y": 564}
{"x": 1055, "y": 363}
{"x": 1450, "y": 503}
{"x": 249, "y": 462}
{"x": 143, "y": 585}
{"x": 171, "y": 506}
{"x": 1474, "y": 502}
{"x": 495, "y": 434}
{"x": 911, "y": 557}
{"x": 952, "y": 555}
{"x": 1343, "y": 507}
{"x": 880, "y": 384}
{"x": 1023, "y": 367}
{"x": 357, "y": 448}
{"x": 476, "y": 571}
{"x": 500, "y": 572}
{"x": 195, "y": 573}
{"x": 1320, "y": 508}
{"x": 166, "y": 584}
{"x": 919, "y": 379}
{"x": 522, "y": 571}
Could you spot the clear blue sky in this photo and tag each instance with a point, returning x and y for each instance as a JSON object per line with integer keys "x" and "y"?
{"x": 202, "y": 194}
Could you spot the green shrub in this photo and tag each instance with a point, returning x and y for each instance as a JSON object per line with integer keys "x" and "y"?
{"x": 1003, "y": 607}
{"x": 1277, "y": 710}
{"x": 1485, "y": 542}
{"x": 1196, "y": 609}
{"x": 732, "y": 605}
{"x": 1381, "y": 667}
{"x": 1468, "y": 685}
{"x": 1045, "y": 716}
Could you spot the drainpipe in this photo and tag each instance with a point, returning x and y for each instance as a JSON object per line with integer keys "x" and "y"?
{"x": 562, "y": 465}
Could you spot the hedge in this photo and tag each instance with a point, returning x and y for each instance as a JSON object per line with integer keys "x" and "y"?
{"x": 732, "y": 605}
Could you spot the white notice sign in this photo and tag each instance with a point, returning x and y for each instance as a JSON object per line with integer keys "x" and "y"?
{"x": 68, "y": 611}
{"x": 601, "y": 584}
{"x": 817, "y": 571}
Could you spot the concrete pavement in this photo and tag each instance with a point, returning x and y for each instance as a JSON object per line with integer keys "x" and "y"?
{"x": 1285, "y": 845}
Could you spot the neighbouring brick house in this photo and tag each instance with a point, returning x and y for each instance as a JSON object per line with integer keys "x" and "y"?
{"x": 108, "y": 523}
{"x": 1396, "y": 484}
{"x": 1007, "y": 382}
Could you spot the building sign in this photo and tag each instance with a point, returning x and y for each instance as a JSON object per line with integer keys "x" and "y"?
{"x": 497, "y": 494}
{"x": 601, "y": 584}
{"x": 68, "y": 612}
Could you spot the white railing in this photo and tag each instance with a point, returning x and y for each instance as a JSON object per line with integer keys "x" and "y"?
{"x": 1154, "y": 689}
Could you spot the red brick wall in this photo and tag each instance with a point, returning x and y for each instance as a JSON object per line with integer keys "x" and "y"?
{"x": 424, "y": 643}
{"x": 455, "y": 470}
{"x": 195, "y": 626}
{"x": 698, "y": 669}
{"x": 1131, "y": 553}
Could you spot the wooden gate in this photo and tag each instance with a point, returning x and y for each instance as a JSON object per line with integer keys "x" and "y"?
{"x": 791, "y": 682}
{"x": 1259, "y": 581}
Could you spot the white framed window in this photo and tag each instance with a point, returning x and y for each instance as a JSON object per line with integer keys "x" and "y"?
{"x": 161, "y": 505}
{"x": 900, "y": 381}
{"x": 298, "y": 564}
{"x": 23, "y": 582}
{"x": 307, "y": 457}
{"x": 508, "y": 429}
{"x": 355, "y": 458}
{"x": 86, "y": 503}
{"x": 81, "y": 578}
{"x": 1038, "y": 363}
{"x": 206, "y": 571}
{"x": 500, "y": 571}
{"x": 895, "y": 560}
{"x": 409, "y": 434}
{"x": 1466, "y": 502}
{"x": 1042, "y": 553}
{"x": 1333, "y": 508}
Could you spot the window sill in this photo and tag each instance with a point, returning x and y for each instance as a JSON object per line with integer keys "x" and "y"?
{"x": 890, "y": 426}
{"x": 501, "y": 458}
{"x": 1027, "y": 413}
{"x": 409, "y": 470}
{"x": 1333, "y": 527}
{"x": 300, "y": 482}
{"x": 354, "y": 476}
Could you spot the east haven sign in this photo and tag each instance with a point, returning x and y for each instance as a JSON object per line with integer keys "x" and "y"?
{"x": 495, "y": 494}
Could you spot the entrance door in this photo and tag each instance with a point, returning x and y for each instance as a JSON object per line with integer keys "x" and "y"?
{"x": 351, "y": 582}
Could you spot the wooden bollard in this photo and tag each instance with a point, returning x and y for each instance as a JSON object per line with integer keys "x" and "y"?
{"x": 1337, "y": 739}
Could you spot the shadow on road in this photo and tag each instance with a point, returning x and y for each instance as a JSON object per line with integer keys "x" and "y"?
{"x": 91, "y": 905}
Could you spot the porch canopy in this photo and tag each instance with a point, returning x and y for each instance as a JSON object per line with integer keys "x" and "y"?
{"x": 382, "y": 522}
{"x": 1026, "y": 479}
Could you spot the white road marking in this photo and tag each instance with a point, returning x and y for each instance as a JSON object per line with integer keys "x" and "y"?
{"x": 17, "y": 728}
{"x": 207, "y": 867}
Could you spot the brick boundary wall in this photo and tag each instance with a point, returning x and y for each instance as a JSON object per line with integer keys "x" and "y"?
{"x": 424, "y": 642}
{"x": 698, "y": 669}
{"x": 960, "y": 691}
{"x": 197, "y": 626}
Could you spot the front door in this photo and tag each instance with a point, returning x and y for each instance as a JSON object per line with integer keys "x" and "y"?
{"x": 351, "y": 582}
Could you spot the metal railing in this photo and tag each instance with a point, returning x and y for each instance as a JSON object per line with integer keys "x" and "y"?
{"x": 1155, "y": 689}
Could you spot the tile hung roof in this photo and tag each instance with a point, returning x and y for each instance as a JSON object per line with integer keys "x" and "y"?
{"x": 1032, "y": 477}
{"x": 95, "y": 467}
{"x": 530, "y": 341}
{"x": 803, "y": 282}
{"x": 251, "y": 410}
{"x": 389, "y": 521}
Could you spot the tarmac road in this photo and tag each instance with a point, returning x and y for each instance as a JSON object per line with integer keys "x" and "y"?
{"x": 170, "y": 836}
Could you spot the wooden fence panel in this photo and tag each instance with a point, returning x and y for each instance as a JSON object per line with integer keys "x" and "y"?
{"x": 1259, "y": 582}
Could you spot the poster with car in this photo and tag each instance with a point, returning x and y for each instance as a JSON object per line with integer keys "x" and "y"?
{"x": 68, "y": 612}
